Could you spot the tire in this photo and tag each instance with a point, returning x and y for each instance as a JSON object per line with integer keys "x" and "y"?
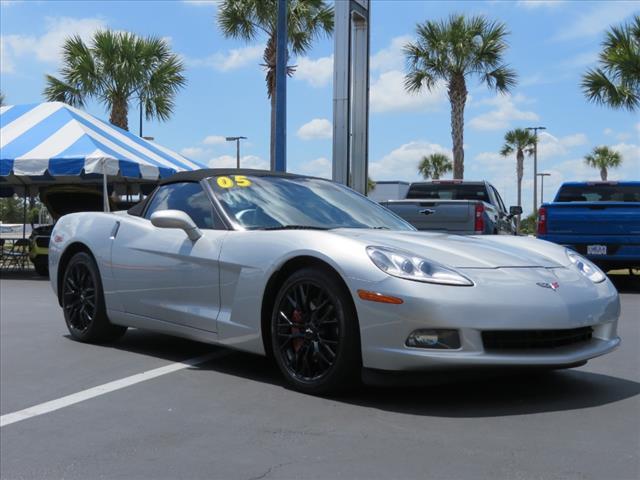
{"x": 42, "y": 266}
{"x": 314, "y": 333}
{"x": 83, "y": 302}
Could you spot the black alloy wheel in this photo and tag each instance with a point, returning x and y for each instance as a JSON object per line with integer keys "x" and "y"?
{"x": 314, "y": 333}
{"x": 83, "y": 302}
{"x": 79, "y": 297}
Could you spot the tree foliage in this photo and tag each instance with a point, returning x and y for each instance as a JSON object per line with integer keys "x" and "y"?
{"x": 253, "y": 20}
{"x": 603, "y": 158}
{"x": 117, "y": 68}
{"x": 434, "y": 165}
{"x": 453, "y": 51}
{"x": 615, "y": 82}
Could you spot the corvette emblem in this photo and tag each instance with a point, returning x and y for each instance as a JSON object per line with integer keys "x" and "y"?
{"x": 553, "y": 286}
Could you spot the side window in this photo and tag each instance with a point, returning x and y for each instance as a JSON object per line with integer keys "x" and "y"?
{"x": 188, "y": 197}
{"x": 499, "y": 198}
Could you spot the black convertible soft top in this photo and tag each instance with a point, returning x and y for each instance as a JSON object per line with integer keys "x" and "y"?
{"x": 197, "y": 175}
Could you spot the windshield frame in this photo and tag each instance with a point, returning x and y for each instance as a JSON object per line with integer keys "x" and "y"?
{"x": 235, "y": 225}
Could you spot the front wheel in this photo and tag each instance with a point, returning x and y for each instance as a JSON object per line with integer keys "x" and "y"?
{"x": 83, "y": 302}
{"x": 315, "y": 334}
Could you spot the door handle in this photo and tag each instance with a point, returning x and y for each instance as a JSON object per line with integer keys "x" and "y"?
{"x": 427, "y": 211}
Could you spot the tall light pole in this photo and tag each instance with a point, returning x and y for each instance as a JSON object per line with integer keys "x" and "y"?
{"x": 542, "y": 175}
{"x": 237, "y": 140}
{"x": 535, "y": 167}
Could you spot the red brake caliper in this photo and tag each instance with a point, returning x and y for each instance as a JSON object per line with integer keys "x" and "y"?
{"x": 296, "y": 318}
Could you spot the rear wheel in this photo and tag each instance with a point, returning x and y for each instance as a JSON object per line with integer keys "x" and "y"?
{"x": 314, "y": 333}
{"x": 83, "y": 302}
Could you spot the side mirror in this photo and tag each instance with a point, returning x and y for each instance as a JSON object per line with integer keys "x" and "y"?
{"x": 176, "y": 219}
{"x": 515, "y": 210}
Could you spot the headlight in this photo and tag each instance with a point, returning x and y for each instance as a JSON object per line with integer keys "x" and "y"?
{"x": 410, "y": 267}
{"x": 587, "y": 268}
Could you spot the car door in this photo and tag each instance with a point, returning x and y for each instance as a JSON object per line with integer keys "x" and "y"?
{"x": 163, "y": 275}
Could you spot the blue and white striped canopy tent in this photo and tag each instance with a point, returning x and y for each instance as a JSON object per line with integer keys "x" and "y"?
{"x": 54, "y": 143}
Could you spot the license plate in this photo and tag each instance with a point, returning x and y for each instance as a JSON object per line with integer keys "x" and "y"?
{"x": 596, "y": 249}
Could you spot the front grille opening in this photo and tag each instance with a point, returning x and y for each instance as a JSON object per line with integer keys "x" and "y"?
{"x": 534, "y": 339}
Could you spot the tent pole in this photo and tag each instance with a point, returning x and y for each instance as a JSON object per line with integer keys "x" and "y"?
{"x": 24, "y": 214}
{"x": 105, "y": 192}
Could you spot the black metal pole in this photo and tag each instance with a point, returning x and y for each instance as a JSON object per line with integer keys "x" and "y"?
{"x": 140, "y": 118}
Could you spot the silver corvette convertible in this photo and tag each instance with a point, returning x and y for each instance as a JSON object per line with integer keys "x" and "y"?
{"x": 329, "y": 284}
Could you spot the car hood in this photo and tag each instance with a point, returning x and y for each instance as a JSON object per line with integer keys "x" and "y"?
{"x": 487, "y": 251}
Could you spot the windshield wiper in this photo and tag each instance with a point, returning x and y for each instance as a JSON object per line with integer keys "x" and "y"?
{"x": 294, "y": 227}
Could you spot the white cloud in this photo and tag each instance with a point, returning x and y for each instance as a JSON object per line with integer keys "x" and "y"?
{"x": 593, "y": 21}
{"x": 607, "y": 131}
{"x": 320, "y": 167}
{"x": 533, "y": 4}
{"x": 47, "y": 47}
{"x": 402, "y": 163}
{"x": 318, "y": 72}
{"x": 504, "y": 115}
{"x": 318, "y": 128}
{"x": 230, "y": 60}
{"x": 391, "y": 57}
{"x": 214, "y": 140}
{"x": 387, "y": 94}
{"x": 193, "y": 152}
{"x": 247, "y": 161}
{"x": 630, "y": 168}
{"x": 550, "y": 146}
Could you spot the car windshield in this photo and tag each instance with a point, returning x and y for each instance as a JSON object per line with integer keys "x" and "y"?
{"x": 271, "y": 202}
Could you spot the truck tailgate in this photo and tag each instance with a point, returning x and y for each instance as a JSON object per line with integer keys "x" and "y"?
{"x": 593, "y": 218}
{"x": 449, "y": 215}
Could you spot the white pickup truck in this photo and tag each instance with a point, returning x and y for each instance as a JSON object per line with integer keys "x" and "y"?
{"x": 455, "y": 206}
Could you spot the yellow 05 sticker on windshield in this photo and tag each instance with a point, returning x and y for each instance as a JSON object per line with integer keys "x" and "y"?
{"x": 234, "y": 181}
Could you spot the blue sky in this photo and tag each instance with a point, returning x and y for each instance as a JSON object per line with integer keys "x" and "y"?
{"x": 551, "y": 44}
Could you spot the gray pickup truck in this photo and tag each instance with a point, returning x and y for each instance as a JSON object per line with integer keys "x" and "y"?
{"x": 456, "y": 206}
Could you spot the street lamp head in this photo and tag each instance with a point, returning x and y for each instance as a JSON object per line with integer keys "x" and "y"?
{"x": 233, "y": 139}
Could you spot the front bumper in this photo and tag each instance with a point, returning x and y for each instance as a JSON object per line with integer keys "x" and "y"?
{"x": 502, "y": 299}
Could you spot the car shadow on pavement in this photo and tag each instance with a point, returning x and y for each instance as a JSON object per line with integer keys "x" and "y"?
{"x": 500, "y": 395}
{"x": 486, "y": 394}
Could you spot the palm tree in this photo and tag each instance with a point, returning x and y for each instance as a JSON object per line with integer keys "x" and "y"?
{"x": 434, "y": 165}
{"x": 249, "y": 19}
{"x": 521, "y": 141}
{"x": 452, "y": 51}
{"x": 616, "y": 81}
{"x": 603, "y": 158}
{"x": 115, "y": 69}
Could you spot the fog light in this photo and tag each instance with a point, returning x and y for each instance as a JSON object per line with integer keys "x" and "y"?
{"x": 440, "y": 339}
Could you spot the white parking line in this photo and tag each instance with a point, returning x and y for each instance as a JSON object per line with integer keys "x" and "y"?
{"x": 78, "y": 397}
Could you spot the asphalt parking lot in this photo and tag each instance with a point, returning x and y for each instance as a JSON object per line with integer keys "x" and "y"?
{"x": 231, "y": 418}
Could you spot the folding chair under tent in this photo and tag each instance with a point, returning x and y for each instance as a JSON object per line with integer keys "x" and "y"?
{"x": 54, "y": 144}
